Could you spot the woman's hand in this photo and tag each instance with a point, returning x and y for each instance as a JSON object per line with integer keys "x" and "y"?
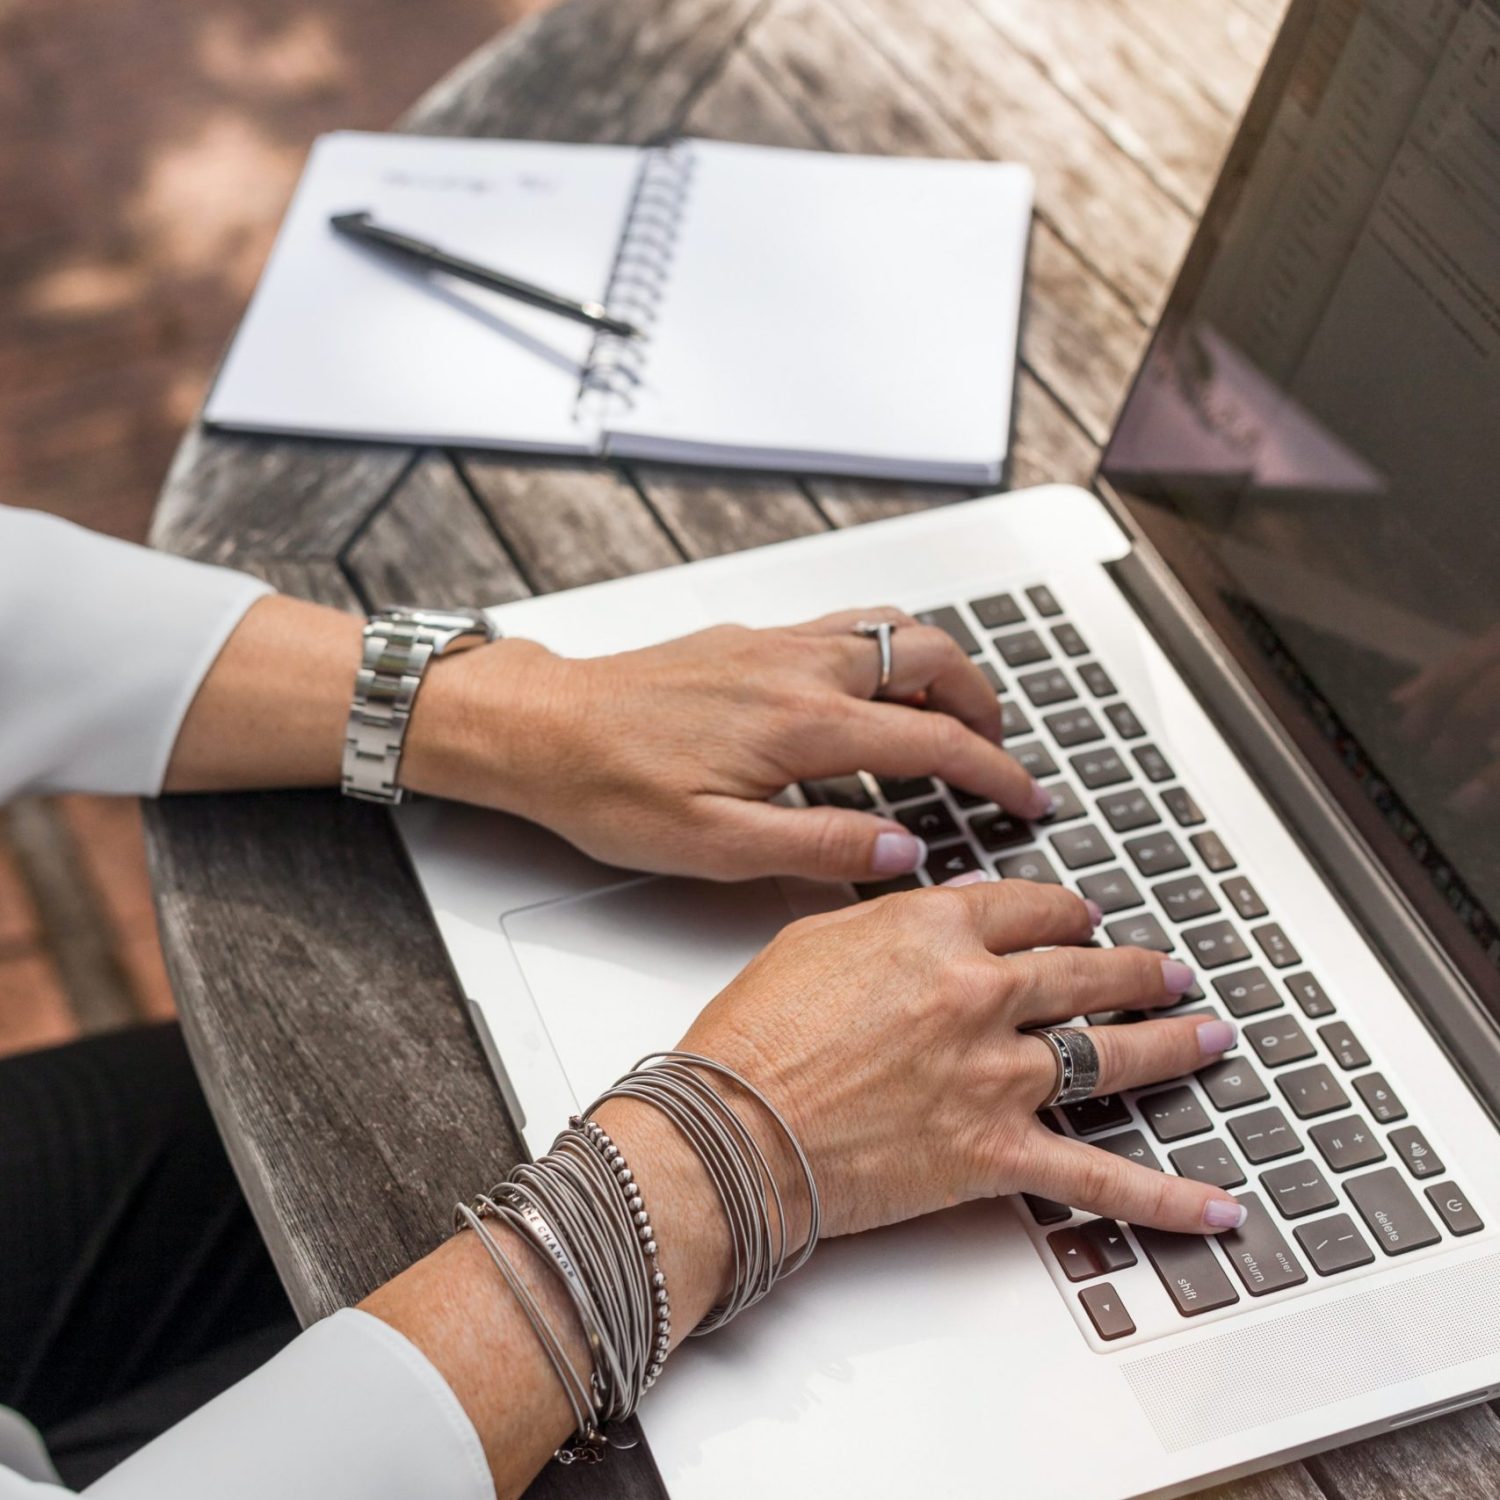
{"x": 663, "y": 759}
{"x": 890, "y": 1035}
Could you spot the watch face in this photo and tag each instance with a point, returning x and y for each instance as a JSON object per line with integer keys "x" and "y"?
{"x": 463, "y": 621}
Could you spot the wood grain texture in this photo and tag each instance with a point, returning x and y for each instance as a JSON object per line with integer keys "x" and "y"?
{"x": 331, "y": 1037}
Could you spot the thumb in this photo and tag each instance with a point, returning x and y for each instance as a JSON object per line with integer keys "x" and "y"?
{"x": 819, "y": 843}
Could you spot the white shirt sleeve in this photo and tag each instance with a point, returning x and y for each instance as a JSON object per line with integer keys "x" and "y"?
{"x": 349, "y": 1411}
{"x": 105, "y": 645}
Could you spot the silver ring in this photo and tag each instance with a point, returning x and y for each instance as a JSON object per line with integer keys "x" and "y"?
{"x": 1077, "y": 1063}
{"x": 881, "y": 632}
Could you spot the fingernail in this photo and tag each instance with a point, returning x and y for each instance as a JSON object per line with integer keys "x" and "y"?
{"x": 1176, "y": 977}
{"x": 1224, "y": 1213}
{"x": 969, "y": 877}
{"x": 1041, "y": 805}
{"x": 897, "y": 853}
{"x": 1096, "y": 912}
{"x": 1215, "y": 1037}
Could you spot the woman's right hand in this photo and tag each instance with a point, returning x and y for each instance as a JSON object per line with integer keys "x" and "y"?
{"x": 891, "y": 1036}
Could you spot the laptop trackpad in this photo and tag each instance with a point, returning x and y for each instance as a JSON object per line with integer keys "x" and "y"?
{"x": 618, "y": 972}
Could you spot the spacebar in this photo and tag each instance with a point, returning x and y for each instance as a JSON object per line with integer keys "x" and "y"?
{"x": 1194, "y": 1280}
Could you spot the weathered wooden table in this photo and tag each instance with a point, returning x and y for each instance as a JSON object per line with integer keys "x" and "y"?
{"x": 329, "y": 1035}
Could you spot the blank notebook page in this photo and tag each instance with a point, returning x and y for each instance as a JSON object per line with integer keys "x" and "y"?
{"x": 830, "y": 308}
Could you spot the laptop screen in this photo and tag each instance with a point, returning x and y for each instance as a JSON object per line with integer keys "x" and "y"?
{"x": 1313, "y": 441}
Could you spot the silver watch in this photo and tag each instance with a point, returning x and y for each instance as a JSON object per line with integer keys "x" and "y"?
{"x": 399, "y": 643}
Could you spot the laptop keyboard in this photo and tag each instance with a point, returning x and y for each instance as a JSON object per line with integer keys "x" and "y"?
{"x": 1308, "y": 1133}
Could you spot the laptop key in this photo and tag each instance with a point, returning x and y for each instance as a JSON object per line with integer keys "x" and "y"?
{"x": 1380, "y": 1098}
{"x": 1215, "y": 944}
{"x": 1132, "y": 1145}
{"x": 1043, "y": 600}
{"x": 839, "y": 791}
{"x": 998, "y": 611}
{"x": 1142, "y": 931}
{"x": 1454, "y": 1208}
{"x": 1097, "y": 680}
{"x": 1185, "y": 898}
{"x": 1312, "y": 1092}
{"x": 991, "y": 676}
{"x": 1174, "y": 1114}
{"x": 1106, "y": 1312}
{"x": 1298, "y": 1189}
{"x": 1276, "y": 945}
{"x": 1075, "y": 727}
{"x": 1065, "y": 804}
{"x": 1013, "y": 719}
{"x": 929, "y": 820}
{"x": 1129, "y": 810}
{"x": 1050, "y": 685}
{"x": 1069, "y": 640}
{"x": 1310, "y": 995}
{"x": 1412, "y": 1150}
{"x": 1099, "y": 768}
{"x": 999, "y": 830}
{"x": 1022, "y": 648}
{"x": 967, "y": 801}
{"x": 1347, "y": 1143}
{"x": 905, "y": 788}
{"x": 1391, "y": 1212}
{"x": 1034, "y": 758}
{"x": 951, "y": 623}
{"x": 1078, "y": 848}
{"x": 1231, "y": 1083}
{"x": 1102, "y": 1112}
{"x": 1045, "y": 1211}
{"x": 1091, "y": 1249}
{"x": 1280, "y": 1040}
{"x": 877, "y": 888}
{"x": 1031, "y": 864}
{"x": 1344, "y": 1045}
{"x": 1182, "y": 807}
{"x": 1126, "y": 725}
{"x": 1259, "y": 1253}
{"x": 1112, "y": 890}
{"x": 1208, "y": 1161}
{"x": 1247, "y": 992}
{"x": 1264, "y": 1135}
{"x": 950, "y": 861}
{"x": 1154, "y": 765}
{"x": 1334, "y": 1245}
{"x": 1244, "y": 898}
{"x": 1213, "y": 852}
{"x": 1188, "y": 1269}
{"x": 1156, "y": 854}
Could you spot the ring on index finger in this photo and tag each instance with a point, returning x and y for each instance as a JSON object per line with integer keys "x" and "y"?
{"x": 879, "y": 631}
{"x": 1077, "y": 1063}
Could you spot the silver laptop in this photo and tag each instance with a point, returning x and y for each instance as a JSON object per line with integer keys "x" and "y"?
{"x": 1260, "y": 669}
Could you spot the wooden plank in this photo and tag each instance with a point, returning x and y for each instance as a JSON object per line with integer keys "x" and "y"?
{"x": 569, "y": 524}
{"x": 853, "y": 502}
{"x": 320, "y": 579}
{"x": 1100, "y": 201}
{"x": 1457, "y": 1455}
{"x": 822, "y": 84}
{"x": 1218, "y": 47}
{"x": 430, "y": 543}
{"x": 1049, "y": 446}
{"x": 1100, "y": 58}
{"x": 708, "y": 513}
{"x": 1290, "y": 1482}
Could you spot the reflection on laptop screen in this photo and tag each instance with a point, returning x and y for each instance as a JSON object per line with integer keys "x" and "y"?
{"x": 1314, "y": 441}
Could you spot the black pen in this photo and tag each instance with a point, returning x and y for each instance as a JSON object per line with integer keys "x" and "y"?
{"x": 360, "y": 226}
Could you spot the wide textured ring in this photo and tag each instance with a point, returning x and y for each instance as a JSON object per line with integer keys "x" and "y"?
{"x": 879, "y": 631}
{"x": 1077, "y": 1063}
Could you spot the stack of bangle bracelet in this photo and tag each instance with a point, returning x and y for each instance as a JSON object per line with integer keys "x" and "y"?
{"x": 580, "y": 1209}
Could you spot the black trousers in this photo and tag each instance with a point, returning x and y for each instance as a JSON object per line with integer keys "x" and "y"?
{"x": 133, "y": 1283}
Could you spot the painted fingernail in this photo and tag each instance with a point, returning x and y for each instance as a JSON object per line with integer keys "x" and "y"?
{"x": 1176, "y": 977}
{"x": 897, "y": 853}
{"x": 1215, "y": 1037}
{"x": 1224, "y": 1213}
{"x": 1041, "y": 804}
{"x": 969, "y": 877}
{"x": 1096, "y": 912}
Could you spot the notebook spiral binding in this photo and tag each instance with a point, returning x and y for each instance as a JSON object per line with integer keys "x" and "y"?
{"x": 638, "y": 280}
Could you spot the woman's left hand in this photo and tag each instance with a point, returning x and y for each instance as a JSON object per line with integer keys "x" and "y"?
{"x": 664, "y": 759}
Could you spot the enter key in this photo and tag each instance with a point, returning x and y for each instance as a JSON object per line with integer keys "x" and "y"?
{"x": 1259, "y": 1253}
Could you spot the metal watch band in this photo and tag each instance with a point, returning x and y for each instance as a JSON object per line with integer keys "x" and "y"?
{"x": 399, "y": 645}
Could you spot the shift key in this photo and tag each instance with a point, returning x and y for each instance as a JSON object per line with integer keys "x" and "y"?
{"x": 1188, "y": 1269}
{"x": 1259, "y": 1254}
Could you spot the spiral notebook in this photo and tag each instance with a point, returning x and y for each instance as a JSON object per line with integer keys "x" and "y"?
{"x": 801, "y": 310}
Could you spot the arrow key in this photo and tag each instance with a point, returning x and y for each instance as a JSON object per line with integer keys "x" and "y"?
{"x": 1106, "y": 1312}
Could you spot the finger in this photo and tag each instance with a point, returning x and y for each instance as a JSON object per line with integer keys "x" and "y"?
{"x": 891, "y": 740}
{"x": 1068, "y": 982}
{"x": 819, "y": 843}
{"x": 1099, "y": 1182}
{"x": 1150, "y": 1051}
{"x": 1012, "y": 916}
